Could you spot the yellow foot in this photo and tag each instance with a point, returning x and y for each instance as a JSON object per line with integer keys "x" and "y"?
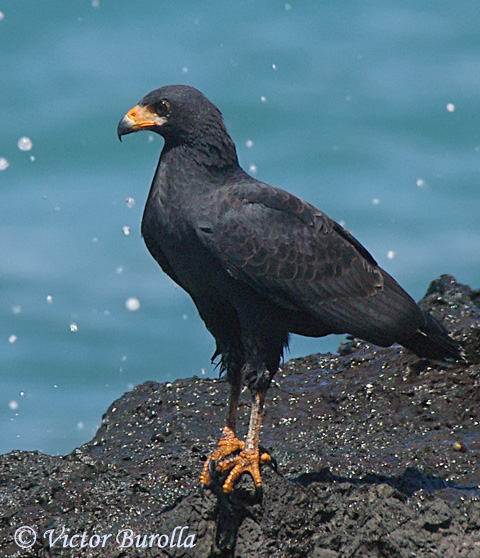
{"x": 247, "y": 461}
{"x": 227, "y": 445}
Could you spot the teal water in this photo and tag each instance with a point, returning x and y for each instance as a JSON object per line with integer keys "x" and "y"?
{"x": 369, "y": 110}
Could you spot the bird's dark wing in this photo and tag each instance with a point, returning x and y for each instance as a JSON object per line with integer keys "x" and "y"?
{"x": 302, "y": 260}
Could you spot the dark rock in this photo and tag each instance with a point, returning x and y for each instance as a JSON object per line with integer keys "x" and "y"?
{"x": 365, "y": 443}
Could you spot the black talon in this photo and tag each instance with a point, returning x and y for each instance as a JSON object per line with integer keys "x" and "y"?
{"x": 211, "y": 468}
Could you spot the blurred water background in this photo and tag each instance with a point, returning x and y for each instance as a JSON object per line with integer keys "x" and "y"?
{"x": 369, "y": 110}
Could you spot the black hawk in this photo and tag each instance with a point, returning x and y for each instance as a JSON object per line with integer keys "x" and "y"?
{"x": 259, "y": 264}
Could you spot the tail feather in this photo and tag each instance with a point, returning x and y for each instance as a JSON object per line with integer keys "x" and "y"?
{"x": 432, "y": 341}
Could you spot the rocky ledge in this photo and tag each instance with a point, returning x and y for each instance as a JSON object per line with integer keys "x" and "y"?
{"x": 378, "y": 456}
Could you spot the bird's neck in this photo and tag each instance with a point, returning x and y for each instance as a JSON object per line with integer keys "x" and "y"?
{"x": 204, "y": 166}
{"x": 213, "y": 150}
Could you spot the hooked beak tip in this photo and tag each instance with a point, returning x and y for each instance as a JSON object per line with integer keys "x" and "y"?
{"x": 124, "y": 127}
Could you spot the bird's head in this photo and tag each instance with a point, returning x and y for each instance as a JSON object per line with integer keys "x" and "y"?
{"x": 175, "y": 112}
{"x": 183, "y": 116}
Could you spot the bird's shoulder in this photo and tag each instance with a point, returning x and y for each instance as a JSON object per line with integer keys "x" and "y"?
{"x": 257, "y": 208}
{"x": 258, "y": 196}
{"x": 258, "y": 230}
{"x": 248, "y": 204}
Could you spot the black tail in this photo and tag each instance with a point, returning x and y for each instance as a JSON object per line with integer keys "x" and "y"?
{"x": 432, "y": 341}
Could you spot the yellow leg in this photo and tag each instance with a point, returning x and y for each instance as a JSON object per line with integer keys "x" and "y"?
{"x": 249, "y": 458}
{"x": 228, "y": 443}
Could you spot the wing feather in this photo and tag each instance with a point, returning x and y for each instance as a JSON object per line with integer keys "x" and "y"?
{"x": 302, "y": 260}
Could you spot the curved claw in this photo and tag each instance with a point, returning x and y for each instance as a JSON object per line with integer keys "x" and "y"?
{"x": 211, "y": 466}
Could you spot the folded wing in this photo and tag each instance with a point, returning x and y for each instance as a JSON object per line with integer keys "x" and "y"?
{"x": 303, "y": 261}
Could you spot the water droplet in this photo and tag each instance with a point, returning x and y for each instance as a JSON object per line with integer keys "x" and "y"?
{"x": 126, "y": 230}
{"x": 24, "y": 144}
{"x": 73, "y": 328}
{"x": 450, "y": 107}
{"x": 132, "y": 304}
{"x": 4, "y": 163}
{"x": 391, "y": 254}
{"x": 12, "y": 338}
{"x": 130, "y": 202}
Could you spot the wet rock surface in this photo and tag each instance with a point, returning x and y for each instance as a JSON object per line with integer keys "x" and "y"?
{"x": 378, "y": 455}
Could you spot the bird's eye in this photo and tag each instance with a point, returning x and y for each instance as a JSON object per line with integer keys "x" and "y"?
{"x": 162, "y": 108}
